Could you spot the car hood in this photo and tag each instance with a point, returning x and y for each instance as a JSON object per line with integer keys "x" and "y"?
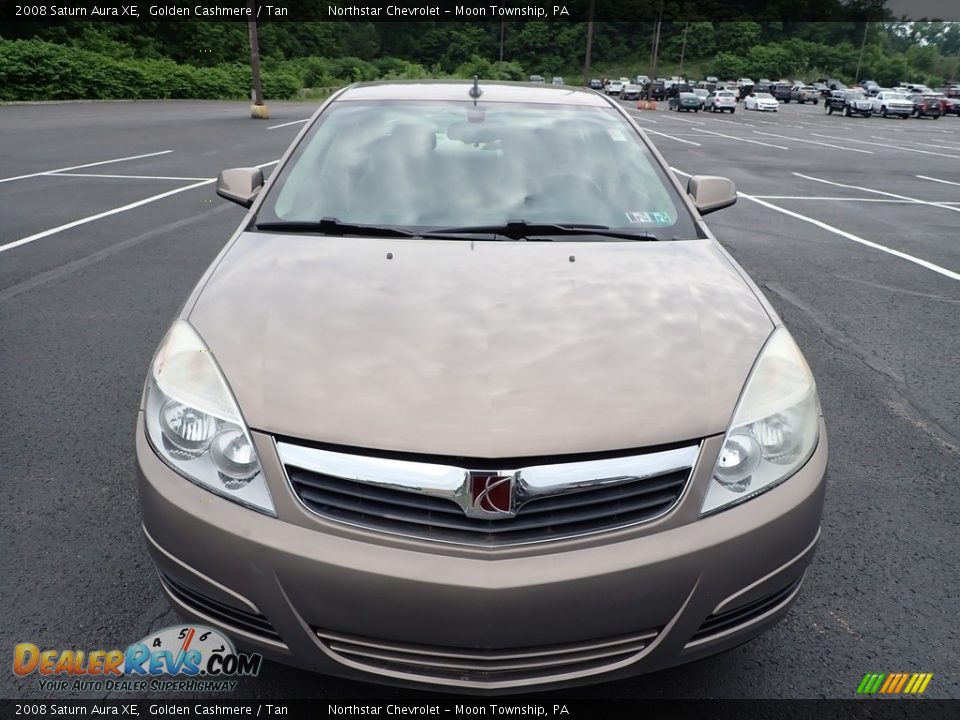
{"x": 481, "y": 349}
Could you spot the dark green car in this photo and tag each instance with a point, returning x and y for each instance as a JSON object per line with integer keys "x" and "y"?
{"x": 686, "y": 101}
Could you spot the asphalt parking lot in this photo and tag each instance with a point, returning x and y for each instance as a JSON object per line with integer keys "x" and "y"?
{"x": 849, "y": 225}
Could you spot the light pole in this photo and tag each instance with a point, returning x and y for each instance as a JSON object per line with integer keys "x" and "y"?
{"x": 258, "y": 110}
{"x": 656, "y": 44}
{"x": 863, "y": 44}
{"x": 683, "y": 48}
{"x": 588, "y": 58}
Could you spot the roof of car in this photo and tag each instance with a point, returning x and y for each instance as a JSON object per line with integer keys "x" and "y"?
{"x": 493, "y": 91}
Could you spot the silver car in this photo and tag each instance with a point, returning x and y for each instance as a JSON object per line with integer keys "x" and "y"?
{"x": 472, "y": 399}
{"x": 890, "y": 102}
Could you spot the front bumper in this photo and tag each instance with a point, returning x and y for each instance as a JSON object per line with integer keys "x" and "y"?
{"x": 348, "y": 602}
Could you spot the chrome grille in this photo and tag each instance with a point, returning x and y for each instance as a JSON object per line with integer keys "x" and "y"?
{"x": 484, "y": 666}
{"x": 432, "y": 500}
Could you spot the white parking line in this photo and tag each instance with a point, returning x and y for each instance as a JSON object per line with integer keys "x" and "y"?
{"x": 738, "y": 123}
{"x": 125, "y": 177}
{"x": 292, "y": 122}
{"x": 746, "y": 140}
{"x": 877, "y": 192}
{"x": 945, "y": 182}
{"x": 815, "y": 142}
{"x": 688, "y": 142}
{"x": 91, "y": 218}
{"x": 758, "y": 120}
{"x": 924, "y": 143}
{"x": 114, "y": 211}
{"x": 849, "y": 236}
{"x": 886, "y": 145}
{"x": 692, "y": 122}
{"x": 79, "y": 167}
{"x": 636, "y": 115}
{"x": 838, "y": 199}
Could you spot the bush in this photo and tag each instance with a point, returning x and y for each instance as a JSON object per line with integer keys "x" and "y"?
{"x": 487, "y": 70}
{"x": 728, "y": 66}
{"x": 37, "y": 70}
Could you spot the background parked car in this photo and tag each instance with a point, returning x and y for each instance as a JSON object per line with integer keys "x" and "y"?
{"x": 891, "y": 102}
{"x": 781, "y": 91}
{"x": 950, "y": 105}
{"x": 630, "y": 92}
{"x": 822, "y": 88}
{"x": 557, "y": 80}
{"x": 614, "y": 87}
{"x": 805, "y": 93}
{"x": 537, "y": 79}
{"x": 721, "y": 101}
{"x": 702, "y": 95}
{"x": 595, "y": 84}
{"x": 761, "y": 101}
{"x": 869, "y": 87}
{"x": 685, "y": 101}
{"x": 655, "y": 90}
{"x": 848, "y": 102}
{"x": 925, "y": 106}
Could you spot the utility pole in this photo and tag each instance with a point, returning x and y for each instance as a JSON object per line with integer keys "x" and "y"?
{"x": 656, "y": 44}
{"x": 863, "y": 44}
{"x": 588, "y": 58}
{"x": 502, "y": 24}
{"x": 683, "y": 48}
{"x": 258, "y": 109}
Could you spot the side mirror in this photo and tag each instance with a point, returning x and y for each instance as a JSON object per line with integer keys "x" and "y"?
{"x": 710, "y": 193}
{"x": 240, "y": 185}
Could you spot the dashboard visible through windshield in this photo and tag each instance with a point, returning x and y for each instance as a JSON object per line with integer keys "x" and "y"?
{"x": 429, "y": 165}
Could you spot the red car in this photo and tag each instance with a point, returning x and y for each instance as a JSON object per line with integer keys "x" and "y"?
{"x": 925, "y": 106}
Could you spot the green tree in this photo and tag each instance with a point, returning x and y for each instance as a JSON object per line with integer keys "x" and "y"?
{"x": 728, "y": 66}
{"x": 736, "y": 37}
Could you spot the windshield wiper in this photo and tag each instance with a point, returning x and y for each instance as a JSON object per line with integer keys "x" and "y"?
{"x": 523, "y": 230}
{"x": 332, "y": 226}
{"x": 514, "y": 230}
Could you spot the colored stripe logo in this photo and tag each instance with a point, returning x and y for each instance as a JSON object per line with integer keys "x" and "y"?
{"x": 894, "y": 683}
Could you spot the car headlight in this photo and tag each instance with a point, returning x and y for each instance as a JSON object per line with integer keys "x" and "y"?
{"x": 774, "y": 429}
{"x": 194, "y": 423}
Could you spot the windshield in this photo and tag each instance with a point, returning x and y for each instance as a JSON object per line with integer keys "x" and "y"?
{"x": 764, "y": 96}
{"x": 430, "y": 165}
{"x": 855, "y": 95}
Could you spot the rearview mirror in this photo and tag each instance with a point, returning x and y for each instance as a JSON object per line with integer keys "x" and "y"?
{"x": 240, "y": 185}
{"x": 710, "y": 193}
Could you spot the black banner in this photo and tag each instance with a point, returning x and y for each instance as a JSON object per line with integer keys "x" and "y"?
{"x": 578, "y": 709}
{"x": 265, "y": 11}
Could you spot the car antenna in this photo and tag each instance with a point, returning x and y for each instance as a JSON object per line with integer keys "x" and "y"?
{"x": 475, "y": 91}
